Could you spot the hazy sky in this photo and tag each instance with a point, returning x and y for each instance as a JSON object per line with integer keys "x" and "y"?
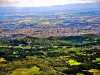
{"x": 31, "y": 3}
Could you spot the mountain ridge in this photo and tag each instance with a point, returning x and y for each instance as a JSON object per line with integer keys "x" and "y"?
{"x": 67, "y": 7}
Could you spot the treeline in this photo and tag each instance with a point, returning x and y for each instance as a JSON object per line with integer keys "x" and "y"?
{"x": 82, "y": 40}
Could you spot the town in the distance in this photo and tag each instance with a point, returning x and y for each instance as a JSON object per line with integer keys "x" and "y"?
{"x": 50, "y": 21}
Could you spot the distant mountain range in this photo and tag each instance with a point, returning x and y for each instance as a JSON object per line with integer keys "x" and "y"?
{"x": 68, "y": 7}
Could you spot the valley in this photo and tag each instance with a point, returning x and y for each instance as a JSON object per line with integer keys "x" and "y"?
{"x": 50, "y": 40}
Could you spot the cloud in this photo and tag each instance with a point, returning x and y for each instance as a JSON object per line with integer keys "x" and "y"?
{"x": 7, "y": 3}
{"x": 3, "y": 1}
{"x": 16, "y": 3}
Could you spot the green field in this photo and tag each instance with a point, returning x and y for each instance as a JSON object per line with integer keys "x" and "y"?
{"x": 73, "y": 55}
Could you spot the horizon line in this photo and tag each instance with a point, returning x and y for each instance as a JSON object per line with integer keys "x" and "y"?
{"x": 49, "y": 5}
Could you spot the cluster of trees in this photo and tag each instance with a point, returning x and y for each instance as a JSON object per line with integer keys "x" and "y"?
{"x": 53, "y": 56}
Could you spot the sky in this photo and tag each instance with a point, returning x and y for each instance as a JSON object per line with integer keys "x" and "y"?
{"x": 37, "y": 3}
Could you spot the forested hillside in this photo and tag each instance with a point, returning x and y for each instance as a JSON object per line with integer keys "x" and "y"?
{"x": 73, "y": 55}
